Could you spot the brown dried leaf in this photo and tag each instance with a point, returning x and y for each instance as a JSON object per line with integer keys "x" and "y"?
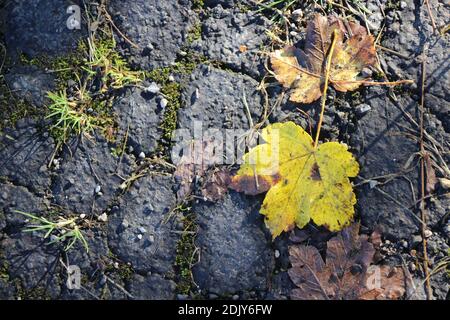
{"x": 391, "y": 284}
{"x": 345, "y": 274}
{"x": 193, "y": 164}
{"x": 216, "y": 184}
{"x": 303, "y": 71}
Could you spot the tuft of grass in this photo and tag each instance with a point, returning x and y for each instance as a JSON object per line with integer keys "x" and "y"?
{"x": 114, "y": 70}
{"x": 66, "y": 230}
{"x": 72, "y": 117}
{"x": 194, "y": 33}
{"x": 68, "y": 117}
{"x": 86, "y": 109}
{"x": 198, "y": 4}
{"x": 186, "y": 253}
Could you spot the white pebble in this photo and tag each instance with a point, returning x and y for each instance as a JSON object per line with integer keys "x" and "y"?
{"x": 142, "y": 230}
{"x": 103, "y": 217}
{"x": 277, "y": 254}
{"x": 163, "y": 103}
{"x": 142, "y": 155}
{"x": 297, "y": 13}
{"x": 152, "y": 88}
{"x": 444, "y": 183}
{"x": 362, "y": 109}
{"x": 373, "y": 184}
{"x": 139, "y": 236}
{"x": 428, "y": 233}
{"x": 171, "y": 78}
{"x": 82, "y": 216}
{"x": 98, "y": 189}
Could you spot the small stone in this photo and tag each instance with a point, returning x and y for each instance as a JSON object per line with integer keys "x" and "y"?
{"x": 183, "y": 53}
{"x": 142, "y": 230}
{"x": 125, "y": 224}
{"x": 373, "y": 184}
{"x": 142, "y": 155}
{"x": 213, "y": 296}
{"x": 171, "y": 78}
{"x": 412, "y": 266}
{"x": 403, "y": 4}
{"x": 163, "y": 103}
{"x": 277, "y": 254}
{"x": 428, "y": 233}
{"x": 404, "y": 244}
{"x": 297, "y": 13}
{"x": 362, "y": 109}
{"x": 182, "y": 296}
{"x": 151, "y": 238}
{"x": 366, "y": 73}
{"x": 116, "y": 265}
{"x": 416, "y": 240}
{"x": 152, "y": 88}
{"x": 103, "y": 217}
{"x": 98, "y": 189}
{"x": 130, "y": 149}
{"x": 196, "y": 94}
{"x": 444, "y": 183}
{"x": 82, "y": 216}
{"x": 139, "y": 236}
{"x": 235, "y": 297}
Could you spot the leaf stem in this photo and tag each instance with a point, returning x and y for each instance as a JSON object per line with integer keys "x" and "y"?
{"x": 374, "y": 83}
{"x": 325, "y": 87}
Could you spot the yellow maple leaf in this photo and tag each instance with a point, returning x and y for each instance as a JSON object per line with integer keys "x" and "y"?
{"x": 303, "y": 71}
{"x": 303, "y": 182}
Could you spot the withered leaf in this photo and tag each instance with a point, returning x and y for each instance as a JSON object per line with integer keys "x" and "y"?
{"x": 216, "y": 184}
{"x": 346, "y": 274}
{"x": 303, "y": 71}
{"x": 390, "y": 286}
{"x": 198, "y": 158}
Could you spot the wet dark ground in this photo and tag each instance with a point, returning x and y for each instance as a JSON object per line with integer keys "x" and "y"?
{"x": 135, "y": 253}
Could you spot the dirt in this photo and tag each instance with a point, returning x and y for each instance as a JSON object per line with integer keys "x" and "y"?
{"x": 144, "y": 242}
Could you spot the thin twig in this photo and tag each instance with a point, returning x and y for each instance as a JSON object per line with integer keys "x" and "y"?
{"x": 422, "y": 180}
{"x": 325, "y": 88}
{"x": 374, "y": 83}
{"x": 110, "y": 20}
{"x": 430, "y": 13}
{"x": 123, "y": 148}
{"x": 401, "y": 55}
